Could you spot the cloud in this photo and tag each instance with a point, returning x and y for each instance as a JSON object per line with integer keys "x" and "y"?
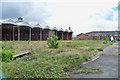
{"x": 83, "y": 16}
{"x": 116, "y": 8}
{"x": 80, "y": 16}
{"x": 32, "y": 12}
{"x": 14, "y": 9}
{"x": 37, "y": 14}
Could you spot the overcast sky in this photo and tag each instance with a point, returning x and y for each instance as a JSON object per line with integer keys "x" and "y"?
{"x": 81, "y": 16}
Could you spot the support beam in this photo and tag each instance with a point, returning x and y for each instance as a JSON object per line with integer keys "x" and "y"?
{"x": 67, "y": 35}
{"x": 62, "y": 35}
{"x": 56, "y": 33}
{"x": 49, "y": 33}
{"x": 5, "y": 35}
{"x": 18, "y": 33}
{"x": 30, "y": 34}
{"x": 13, "y": 34}
{"x": 40, "y": 34}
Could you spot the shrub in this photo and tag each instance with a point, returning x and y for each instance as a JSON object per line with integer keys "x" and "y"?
{"x": 99, "y": 49}
{"x": 105, "y": 41}
{"x": 7, "y": 54}
{"x": 94, "y": 38}
{"x": 87, "y": 57}
{"x": 52, "y": 41}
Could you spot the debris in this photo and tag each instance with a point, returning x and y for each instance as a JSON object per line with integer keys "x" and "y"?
{"x": 23, "y": 53}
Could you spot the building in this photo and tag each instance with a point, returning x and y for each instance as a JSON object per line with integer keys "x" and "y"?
{"x": 21, "y": 30}
{"x": 99, "y": 35}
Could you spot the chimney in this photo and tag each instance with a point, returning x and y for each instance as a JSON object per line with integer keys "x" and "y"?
{"x": 69, "y": 28}
{"x": 20, "y": 19}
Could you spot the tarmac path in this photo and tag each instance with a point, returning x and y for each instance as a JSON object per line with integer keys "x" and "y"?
{"x": 108, "y": 63}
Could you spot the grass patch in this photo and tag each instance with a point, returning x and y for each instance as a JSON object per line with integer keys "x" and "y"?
{"x": 6, "y": 55}
{"x": 99, "y": 49}
{"x": 86, "y": 70}
{"x": 44, "y": 62}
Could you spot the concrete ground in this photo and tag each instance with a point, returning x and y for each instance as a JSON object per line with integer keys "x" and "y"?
{"x": 108, "y": 62}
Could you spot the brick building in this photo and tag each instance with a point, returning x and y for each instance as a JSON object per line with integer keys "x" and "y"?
{"x": 99, "y": 35}
{"x": 21, "y": 30}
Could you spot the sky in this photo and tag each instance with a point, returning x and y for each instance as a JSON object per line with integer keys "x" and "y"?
{"x": 81, "y": 15}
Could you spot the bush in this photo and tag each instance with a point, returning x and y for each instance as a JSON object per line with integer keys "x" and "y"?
{"x": 52, "y": 41}
{"x": 99, "y": 49}
{"x": 7, "y": 54}
{"x": 105, "y": 41}
{"x": 94, "y": 38}
{"x": 87, "y": 57}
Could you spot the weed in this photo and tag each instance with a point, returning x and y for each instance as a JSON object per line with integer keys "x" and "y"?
{"x": 99, "y": 49}
{"x": 52, "y": 42}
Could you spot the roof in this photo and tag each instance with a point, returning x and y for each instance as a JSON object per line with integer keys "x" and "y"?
{"x": 47, "y": 27}
{"x": 54, "y": 28}
{"x": 60, "y": 29}
{"x": 102, "y": 32}
{"x": 37, "y": 25}
{"x": 65, "y": 30}
{"x": 99, "y": 32}
{"x": 70, "y": 31}
{"x": 8, "y": 21}
{"x": 23, "y": 24}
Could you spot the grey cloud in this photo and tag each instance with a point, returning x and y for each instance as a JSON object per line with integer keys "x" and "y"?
{"x": 14, "y": 9}
{"x": 27, "y": 10}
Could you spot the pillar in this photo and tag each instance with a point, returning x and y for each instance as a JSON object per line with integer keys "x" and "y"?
{"x": 67, "y": 35}
{"x": 56, "y": 33}
{"x": 18, "y": 33}
{"x": 62, "y": 35}
{"x": 40, "y": 34}
{"x": 30, "y": 34}
{"x": 13, "y": 34}
{"x": 5, "y": 35}
{"x": 49, "y": 33}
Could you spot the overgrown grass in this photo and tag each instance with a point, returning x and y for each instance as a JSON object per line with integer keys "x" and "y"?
{"x": 7, "y": 55}
{"x": 50, "y": 63}
{"x": 87, "y": 70}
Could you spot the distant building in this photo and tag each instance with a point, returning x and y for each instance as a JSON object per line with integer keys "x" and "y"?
{"x": 20, "y": 30}
{"x": 99, "y": 35}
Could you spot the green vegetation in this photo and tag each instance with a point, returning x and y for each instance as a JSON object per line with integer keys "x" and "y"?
{"x": 52, "y": 41}
{"x": 46, "y": 62}
{"x": 99, "y": 49}
{"x": 7, "y": 54}
{"x": 88, "y": 70}
{"x": 94, "y": 38}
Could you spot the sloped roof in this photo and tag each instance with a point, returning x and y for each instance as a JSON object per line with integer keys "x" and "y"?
{"x": 65, "y": 30}
{"x": 70, "y": 31}
{"x": 37, "y": 25}
{"x": 8, "y": 21}
{"x": 23, "y": 24}
{"x": 60, "y": 29}
{"x": 47, "y": 27}
{"x": 54, "y": 28}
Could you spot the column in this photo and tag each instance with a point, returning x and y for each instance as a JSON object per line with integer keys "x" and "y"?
{"x": 13, "y": 34}
{"x": 18, "y": 33}
{"x": 30, "y": 34}
{"x": 40, "y": 34}
{"x": 56, "y": 33}
{"x": 62, "y": 35}
{"x": 49, "y": 33}
{"x": 5, "y": 35}
{"x": 70, "y": 36}
{"x": 67, "y": 35}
